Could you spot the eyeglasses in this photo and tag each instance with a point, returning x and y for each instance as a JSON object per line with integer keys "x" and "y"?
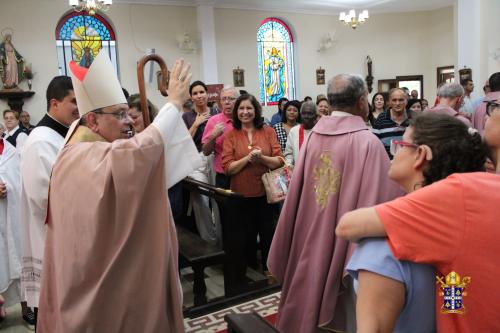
{"x": 490, "y": 107}
{"x": 396, "y": 146}
{"x": 228, "y": 99}
{"x": 118, "y": 115}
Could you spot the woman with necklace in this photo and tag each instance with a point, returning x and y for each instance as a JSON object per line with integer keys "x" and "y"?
{"x": 250, "y": 150}
{"x": 289, "y": 119}
{"x": 196, "y": 121}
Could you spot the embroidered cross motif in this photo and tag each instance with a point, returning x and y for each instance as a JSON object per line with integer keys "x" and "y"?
{"x": 327, "y": 180}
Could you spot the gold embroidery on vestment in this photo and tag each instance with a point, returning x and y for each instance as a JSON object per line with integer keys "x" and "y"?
{"x": 85, "y": 134}
{"x": 327, "y": 180}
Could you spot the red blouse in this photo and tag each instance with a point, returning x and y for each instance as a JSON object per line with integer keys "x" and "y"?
{"x": 236, "y": 146}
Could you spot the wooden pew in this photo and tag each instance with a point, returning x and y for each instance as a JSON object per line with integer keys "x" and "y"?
{"x": 198, "y": 254}
{"x": 219, "y": 194}
{"x": 195, "y": 251}
{"x": 248, "y": 323}
{"x": 203, "y": 254}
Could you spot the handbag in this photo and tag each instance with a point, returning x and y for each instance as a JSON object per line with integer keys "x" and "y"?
{"x": 276, "y": 182}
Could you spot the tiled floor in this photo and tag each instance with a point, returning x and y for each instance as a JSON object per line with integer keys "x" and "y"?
{"x": 14, "y": 321}
{"x": 214, "y": 322}
{"x": 214, "y": 280}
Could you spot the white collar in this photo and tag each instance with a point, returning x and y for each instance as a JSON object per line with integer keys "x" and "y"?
{"x": 54, "y": 119}
{"x": 9, "y": 133}
{"x": 341, "y": 114}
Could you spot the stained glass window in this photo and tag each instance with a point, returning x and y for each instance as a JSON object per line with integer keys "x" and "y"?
{"x": 275, "y": 57}
{"x": 80, "y": 37}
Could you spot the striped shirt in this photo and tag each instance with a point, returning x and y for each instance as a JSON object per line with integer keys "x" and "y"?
{"x": 387, "y": 130}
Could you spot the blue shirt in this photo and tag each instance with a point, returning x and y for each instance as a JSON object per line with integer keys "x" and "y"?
{"x": 276, "y": 118}
{"x": 418, "y": 314}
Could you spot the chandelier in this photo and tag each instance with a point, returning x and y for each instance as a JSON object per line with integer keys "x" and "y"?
{"x": 90, "y": 6}
{"x": 351, "y": 20}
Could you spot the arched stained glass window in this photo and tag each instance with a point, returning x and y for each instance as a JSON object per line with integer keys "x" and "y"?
{"x": 80, "y": 37}
{"x": 275, "y": 56}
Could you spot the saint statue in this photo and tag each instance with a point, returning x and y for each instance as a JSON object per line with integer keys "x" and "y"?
{"x": 11, "y": 64}
{"x": 275, "y": 77}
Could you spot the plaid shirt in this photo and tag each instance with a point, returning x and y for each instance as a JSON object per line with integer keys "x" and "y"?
{"x": 281, "y": 134}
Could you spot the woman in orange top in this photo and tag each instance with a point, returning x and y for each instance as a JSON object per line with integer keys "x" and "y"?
{"x": 441, "y": 222}
{"x": 250, "y": 150}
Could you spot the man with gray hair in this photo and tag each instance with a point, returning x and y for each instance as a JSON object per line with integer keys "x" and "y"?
{"x": 451, "y": 96}
{"x": 213, "y": 142}
{"x": 391, "y": 124}
{"x": 216, "y": 126}
{"x": 306, "y": 257}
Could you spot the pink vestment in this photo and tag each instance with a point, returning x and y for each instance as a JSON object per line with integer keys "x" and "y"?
{"x": 219, "y": 142}
{"x": 110, "y": 261}
{"x": 342, "y": 166}
{"x": 449, "y": 111}
{"x": 479, "y": 116}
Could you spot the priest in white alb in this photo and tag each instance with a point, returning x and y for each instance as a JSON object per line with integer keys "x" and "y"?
{"x": 10, "y": 242}
{"x": 37, "y": 158}
{"x": 110, "y": 261}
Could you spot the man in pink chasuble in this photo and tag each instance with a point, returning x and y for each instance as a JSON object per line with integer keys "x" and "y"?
{"x": 341, "y": 166}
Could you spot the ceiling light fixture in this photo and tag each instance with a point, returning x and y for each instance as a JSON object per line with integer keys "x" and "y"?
{"x": 90, "y": 6}
{"x": 351, "y": 20}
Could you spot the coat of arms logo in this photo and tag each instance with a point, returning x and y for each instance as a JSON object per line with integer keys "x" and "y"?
{"x": 453, "y": 290}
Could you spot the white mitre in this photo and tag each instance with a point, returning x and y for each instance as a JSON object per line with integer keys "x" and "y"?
{"x": 97, "y": 86}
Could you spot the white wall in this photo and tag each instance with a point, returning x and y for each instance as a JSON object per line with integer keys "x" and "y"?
{"x": 137, "y": 27}
{"x": 398, "y": 43}
{"x": 478, "y": 47}
{"x": 141, "y": 27}
{"x": 490, "y": 43}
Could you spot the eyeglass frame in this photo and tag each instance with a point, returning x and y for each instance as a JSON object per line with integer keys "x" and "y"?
{"x": 394, "y": 143}
{"x": 489, "y": 104}
{"x": 118, "y": 115}
{"x": 230, "y": 99}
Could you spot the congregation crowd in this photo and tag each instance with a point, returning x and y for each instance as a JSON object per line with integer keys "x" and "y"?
{"x": 385, "y": 196}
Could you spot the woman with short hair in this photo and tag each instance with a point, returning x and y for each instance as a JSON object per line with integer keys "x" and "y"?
{"x": 15, "y": 134}
{"x": 323, "y": 107}
{"x": 414, "y": 107}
